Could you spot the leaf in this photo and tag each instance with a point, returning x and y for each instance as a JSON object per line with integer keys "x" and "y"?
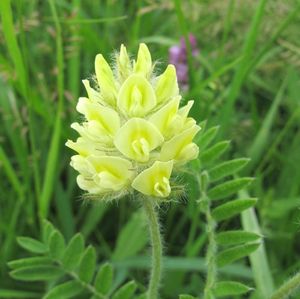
{"x": 230, "y": 288}
{"x": 186, "y": 297}
{"x": 230, "y": 255}
{"x": 214, "y": 152}
{"x": 32, "y": 245}
{"x": 104, "y": 279}
{"x": 65, "y": 290}
{"x": 232, "y": 208}
{"x": 87, "y": 265}
{"x": 132, "y": 238}
{"x": 235, "y": 237}
{"x": 56, "y": 245}
{"x": 227, "y": 168}
{"x": 30, "y": 261}
{"x": 73, "y": 252}
{"x": 5, "y": 293}
{"x": 228, "y": 188}
{"x": 207, "y": 137}
{"x": 126, "y": 291}
{"x": 36, "y": 273}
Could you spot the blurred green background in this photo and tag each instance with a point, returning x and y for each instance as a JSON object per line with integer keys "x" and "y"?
{"x": 245, "y": 78}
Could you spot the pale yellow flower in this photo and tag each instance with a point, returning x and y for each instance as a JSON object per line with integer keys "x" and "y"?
{"x": 134, "y": 133}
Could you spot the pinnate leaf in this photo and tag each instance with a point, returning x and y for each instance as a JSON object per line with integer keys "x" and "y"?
{"x": 232, "y": 208}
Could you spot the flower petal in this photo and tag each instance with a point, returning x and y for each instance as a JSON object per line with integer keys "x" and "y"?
{"x": 105, "y": 80}
{"x": 107, "y": 118}
{"x": 143, "y": 64}
{"x": 154, "y": 181}
{"x": 136, "y": 96}
{"x": 112, "y": 173}
{"x": 124, "y": 65}
{"x": 166, "y": 118}
{"x": 180, "y": 148}
{"x": 84, "y": 147}
{"x": 167, "y": 86}
{"x": 137, "y": 138}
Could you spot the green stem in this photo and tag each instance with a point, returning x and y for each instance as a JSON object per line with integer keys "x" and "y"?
{"x": 211, "y": 253}
{"x": 287, "y": 288}
{"x": 156, "y": 248}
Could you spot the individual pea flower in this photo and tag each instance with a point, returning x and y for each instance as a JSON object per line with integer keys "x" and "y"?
{"x": 134, "y": 135}
{"x": 178, "y": 57}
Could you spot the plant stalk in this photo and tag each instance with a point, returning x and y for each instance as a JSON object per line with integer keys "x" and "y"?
{"x": 211, "y": 253}
{"x": 287, "y": 288}
{"x": 156, "y": 242}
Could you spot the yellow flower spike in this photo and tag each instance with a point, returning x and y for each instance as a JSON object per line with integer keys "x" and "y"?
{"x": 167, "y": 86}
{"x": 111, "y": 173}
{"x": 105, "y": 80}
{"x": 180, "y": 148}
{"x": 166, "y": 118}
{"x": 136, "y": 96}
{"x": 105, "y": 116}
{"x": 143, "y": 64}
{"x": 137, "y": 138}
{"x": 124, "y": 65}
{"x": 154, "y": 181}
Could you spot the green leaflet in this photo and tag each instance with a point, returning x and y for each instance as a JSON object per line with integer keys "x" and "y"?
{"x": 230, "y": 288}
{"x": 104, "y": 278}
{"x": 73, "y": 252}
{"x": 186, "y": 297}
{"x": 6, "y": 293}
{"x": 207, "y": 137}
{"x": 230, "y": 255}
{"x": 87, "y": 265}
{"x": 31, "y": 245}
{"x": 214, "y": 152}
{"x": 232, "y": 208}
{"x": 56, "y": 245}
{"x": 235, "y": 237}
{"x": 30, "y": 261}
{"x": 126, "y": 291}
{"x": 36, "y": 273}
{"x": 228, "y": 188}
{"x": 227, "y": 168}
{"x": 66, "y": 290}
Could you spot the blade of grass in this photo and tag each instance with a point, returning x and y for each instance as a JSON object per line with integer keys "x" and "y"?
{"x": 51, "y": 165}
{"x": 239, "y": 76}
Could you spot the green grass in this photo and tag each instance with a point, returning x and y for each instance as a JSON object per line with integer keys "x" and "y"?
{"x": 246, "y": 79}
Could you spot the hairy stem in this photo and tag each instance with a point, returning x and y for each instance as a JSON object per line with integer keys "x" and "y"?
{"x": 287, "y": 288}
{"x": 156, "y": 248}
{"x": 211, "y": 253}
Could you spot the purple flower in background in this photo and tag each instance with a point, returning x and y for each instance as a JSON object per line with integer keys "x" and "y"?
{"x": 178, "y": 57}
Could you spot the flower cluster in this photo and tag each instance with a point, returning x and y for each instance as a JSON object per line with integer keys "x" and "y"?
{"x": 134, "y": 133}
